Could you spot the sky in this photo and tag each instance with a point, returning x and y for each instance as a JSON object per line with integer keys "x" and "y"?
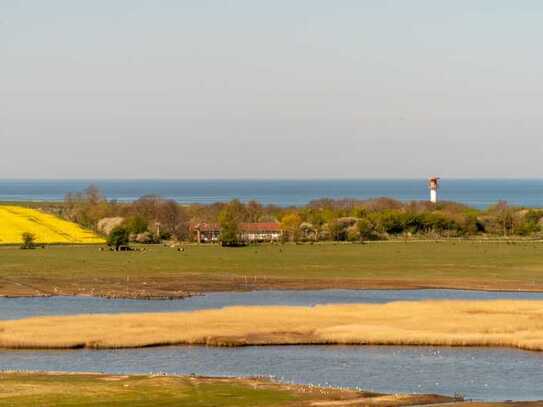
{"x": 271, "y": 89}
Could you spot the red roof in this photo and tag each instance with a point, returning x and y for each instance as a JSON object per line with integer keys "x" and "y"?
{"x": 206, "y": 227}
{"x": 260, "y": 227}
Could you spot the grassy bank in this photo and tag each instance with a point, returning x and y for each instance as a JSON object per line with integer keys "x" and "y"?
{"x": 44, "y": 390}
{"x": 166, "y": 272}
{"x": 516, "y": 324}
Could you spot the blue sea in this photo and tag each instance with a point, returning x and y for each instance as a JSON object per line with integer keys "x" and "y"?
{"x": 479, "y": 193}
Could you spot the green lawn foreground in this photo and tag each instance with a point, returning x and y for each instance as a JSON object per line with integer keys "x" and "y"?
{"x": 72, "y": 390}
{"x": 158, "y": 269}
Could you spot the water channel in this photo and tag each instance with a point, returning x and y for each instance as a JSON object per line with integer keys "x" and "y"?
{"x": 478, "y": 373}
{"x": 16, "y": 308}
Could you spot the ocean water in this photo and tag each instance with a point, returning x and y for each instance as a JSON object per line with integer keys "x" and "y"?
{"x": 479, "y": 193}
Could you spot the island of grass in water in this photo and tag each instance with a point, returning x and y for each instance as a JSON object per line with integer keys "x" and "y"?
{"x": 506, "y": 323}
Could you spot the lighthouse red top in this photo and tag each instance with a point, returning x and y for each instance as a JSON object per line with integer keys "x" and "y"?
{"x": 433, "y": 183}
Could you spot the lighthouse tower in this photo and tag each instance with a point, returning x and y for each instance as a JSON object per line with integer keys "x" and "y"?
{"x": 433, "y": 184}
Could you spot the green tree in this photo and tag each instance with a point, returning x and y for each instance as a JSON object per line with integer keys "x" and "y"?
{"x": 118, "y": 237}
{"x": 136, "y": 224}
{"x": 290, "y": 224}
{"x": 29, "y": 241}
{"x": 229, "y": 220}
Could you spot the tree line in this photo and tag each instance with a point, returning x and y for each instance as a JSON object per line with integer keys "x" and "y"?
{"x": 153, "y": 218}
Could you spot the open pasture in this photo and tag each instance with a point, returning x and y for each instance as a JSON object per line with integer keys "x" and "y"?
{"x": 162, "y": 272}
{"x": 57, "y": 389}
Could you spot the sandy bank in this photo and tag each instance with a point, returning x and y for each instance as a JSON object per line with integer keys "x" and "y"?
{"x": 517, "y": 324}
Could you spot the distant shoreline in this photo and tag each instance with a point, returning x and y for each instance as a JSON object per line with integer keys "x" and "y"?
{"x": 476, "y": 192}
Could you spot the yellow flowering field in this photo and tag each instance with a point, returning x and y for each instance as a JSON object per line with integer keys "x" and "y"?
{"x": 16, "y": 220}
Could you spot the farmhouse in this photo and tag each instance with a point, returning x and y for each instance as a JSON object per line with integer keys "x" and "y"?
{"x": 250, "y": 232}
{"x": 260, "y": 232}
{"x": 206, "y": 232}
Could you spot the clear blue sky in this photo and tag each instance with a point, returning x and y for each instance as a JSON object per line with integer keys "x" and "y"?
{"x": 274, "y": 89}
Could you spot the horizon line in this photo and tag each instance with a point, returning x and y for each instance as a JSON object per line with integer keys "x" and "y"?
{"x": 98, "y": 179}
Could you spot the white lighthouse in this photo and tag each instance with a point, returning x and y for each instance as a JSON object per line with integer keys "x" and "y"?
{"x": 433, "y": 184}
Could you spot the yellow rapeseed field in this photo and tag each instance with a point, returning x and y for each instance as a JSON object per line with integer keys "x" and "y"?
{"x": 16, "y": 220}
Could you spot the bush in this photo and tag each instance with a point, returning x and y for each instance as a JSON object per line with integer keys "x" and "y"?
{"x": 118, "y": 237}
{"x": 29, "y": 241}
{"x": 353, "y": 234}
{"x": 366, "y": 230}
{"x": 529, "y": 223}
{"x": 389, "y": 221}
{"x": 337, "y": 230}
{"x": 136, "y": 225}
{"x": 145, "y": 237}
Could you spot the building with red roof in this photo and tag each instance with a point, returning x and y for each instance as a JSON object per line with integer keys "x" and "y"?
{"x": 249, "y": 232}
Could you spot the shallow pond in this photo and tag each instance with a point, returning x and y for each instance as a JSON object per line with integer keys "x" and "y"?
{"x": 15, "y": 308}
{"x": 479, "y": 373}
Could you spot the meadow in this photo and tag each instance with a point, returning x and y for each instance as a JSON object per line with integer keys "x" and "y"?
{"x": 505, "y": 323}
{"x": 163, "y": 272}
{"x": 47, "y": 228}
{"x": 72, "y": 390}
{"x": 89, "y": 390}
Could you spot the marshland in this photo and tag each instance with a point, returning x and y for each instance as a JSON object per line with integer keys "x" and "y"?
{"x": 54, "y": 301}
{"x": 516, "y": 324}
{"x": 271, "y": 203}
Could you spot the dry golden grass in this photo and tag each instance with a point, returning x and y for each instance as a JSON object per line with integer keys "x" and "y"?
{"x": 517, "y": 324}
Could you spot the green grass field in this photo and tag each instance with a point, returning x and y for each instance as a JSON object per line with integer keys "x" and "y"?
{"x": 137, "y": 391}
{"x": 78, "y": 390}
{"x": 162, "y": 271}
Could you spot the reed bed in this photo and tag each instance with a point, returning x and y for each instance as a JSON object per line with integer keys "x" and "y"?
{"x": 516, "y": 324}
